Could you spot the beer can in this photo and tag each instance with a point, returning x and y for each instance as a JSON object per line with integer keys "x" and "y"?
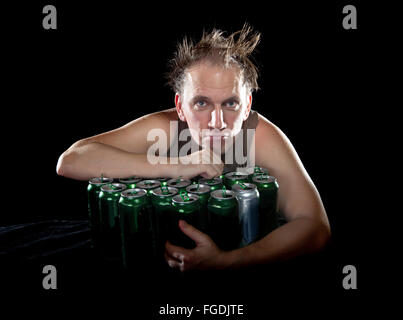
{"x": 135, "y": 228}
{"x": 130, "y": 182}
{"x": 234, "y": 177}
{"x": 93, "y": 190}
{"x": 162, "y": 204}
{"x": 110, "y": 242}
{"x": 163, "y": 181}
{"x": 258, "y": 171}
{"x": 223, "y": 219}
{"x": 214, "y": 183}
{"x": 149, "y": 185}
{"x": 184, "y": 207}
{"x": 268, "y": 190}
{"x": 203, "y": 191}
{"x": 179, "y": 184}
{"x": 247, "y": 196}
{"x": 222, "y": 175}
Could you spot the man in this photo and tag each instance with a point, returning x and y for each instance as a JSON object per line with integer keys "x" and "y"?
{"x": 213, "y": 82}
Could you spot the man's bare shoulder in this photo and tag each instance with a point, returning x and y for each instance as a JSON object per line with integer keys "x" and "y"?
{"x": 159, "y": 119}
{"x": 267, "y": 131}
{"x": 272, "y": 145}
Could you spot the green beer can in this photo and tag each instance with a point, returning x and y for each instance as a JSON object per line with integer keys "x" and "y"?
{"x": 179, "y": 184}
{"x": 234, "y": 177}
{"x": 110, "y": 242}
{"x": 184, "y": 207}
{"x": 130, "y": 182}
{"x": 224, "y": 225}
{"x": 163, "y": 181}
{"x": 135, "y": 228}
{"x": 149, "y": 185}
{"x": 161, "y": 199}
{"x": 214, "y": 183}
{"x": 203, "y": 191}
{"x": 93, "y": 190}
{"x": 268, "y": 190}
{"x": 258, "y": 171}
{"x": 225, "y": 171}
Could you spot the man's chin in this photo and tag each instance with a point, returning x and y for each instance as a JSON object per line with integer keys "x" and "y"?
{"x": 218, "y": 147}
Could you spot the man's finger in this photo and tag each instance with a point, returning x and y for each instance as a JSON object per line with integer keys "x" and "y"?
{"x": 168, "y": 256}
{"x": 192, "y": 232}
{"x": 178, "y": 253}
{"x": 175, "y": 264}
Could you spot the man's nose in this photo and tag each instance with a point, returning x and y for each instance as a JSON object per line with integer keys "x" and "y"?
{"x": 217, "y": 119}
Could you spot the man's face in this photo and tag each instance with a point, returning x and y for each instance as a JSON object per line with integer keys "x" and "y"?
{"x": 214, "y": 103}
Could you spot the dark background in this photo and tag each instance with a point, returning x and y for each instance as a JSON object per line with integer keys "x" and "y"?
{"x": 104, "y": 66}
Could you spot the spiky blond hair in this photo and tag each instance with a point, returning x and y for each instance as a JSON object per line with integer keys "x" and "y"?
{"x": 237, "y": 49}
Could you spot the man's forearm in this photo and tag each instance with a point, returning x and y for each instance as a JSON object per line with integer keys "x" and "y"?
{"x": 296, "y": 237}
{"x": 93, "y": 159}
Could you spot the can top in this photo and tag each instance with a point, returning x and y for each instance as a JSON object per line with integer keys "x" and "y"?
{"x": 98, "y": 181}
{"x": 210, "y": 182}
{"x": 178, "y": 183}
{"x": 222, "y": 194}
{"x": 258, "y": 170}
{"x": 264, "y": 178}
{"x": 133, "y": 193}
{"x": 244, "y": 187}
{"x": 236, "y": 175}
{"x": 161, "y": 179}
{"x": 164, "y": 191}
{"x": 113, "y": 187}
{"x": 149, "y": 184}
{"x": 198, "y": 188}
{"x": 186, "y": 199}
{"x": 133, "y": 179}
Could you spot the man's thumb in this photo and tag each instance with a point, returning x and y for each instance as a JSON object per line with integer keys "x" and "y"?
{"x": 192, "y": 232}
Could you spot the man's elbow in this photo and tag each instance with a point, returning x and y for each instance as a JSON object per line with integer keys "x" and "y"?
{"x": 323, "y": 235}
{"x": 63, "y": 167}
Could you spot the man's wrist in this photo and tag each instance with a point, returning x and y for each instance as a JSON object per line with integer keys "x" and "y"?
{"x": 230, "y": 259}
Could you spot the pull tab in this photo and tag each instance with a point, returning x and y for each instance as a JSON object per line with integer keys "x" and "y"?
{"x": 184, "y": 195}
{"x": 164, "y": 190}
{"x": 224, "y": 192}
{"x": 243, "y": 186}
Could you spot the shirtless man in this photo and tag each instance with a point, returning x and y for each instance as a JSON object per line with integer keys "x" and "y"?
{"x": 213, "y": 82}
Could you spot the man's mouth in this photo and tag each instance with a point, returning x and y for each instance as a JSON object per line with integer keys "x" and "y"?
{"x": 215, "y": 134}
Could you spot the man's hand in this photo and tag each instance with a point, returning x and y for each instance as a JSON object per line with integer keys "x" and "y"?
{"x": 206, "y": 255}
{"x": 205, "y": 163}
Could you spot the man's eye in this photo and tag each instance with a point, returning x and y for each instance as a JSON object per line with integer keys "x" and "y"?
{"x": 201, "y": 103}
{"x": 232, "y": 104}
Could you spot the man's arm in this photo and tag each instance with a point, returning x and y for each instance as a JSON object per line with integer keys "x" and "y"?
{"x": 118, "y": 153}
{"x": 307, "y": 229}
{"x": 123, "y": 152}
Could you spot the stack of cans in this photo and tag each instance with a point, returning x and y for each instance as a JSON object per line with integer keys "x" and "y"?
{"x": 132, "y": 219}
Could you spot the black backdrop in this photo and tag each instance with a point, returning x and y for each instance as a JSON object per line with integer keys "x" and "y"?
{"x": 103, "y": 67}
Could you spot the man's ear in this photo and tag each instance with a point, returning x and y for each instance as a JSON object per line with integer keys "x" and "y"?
{"x": 248, "y": 107}
{"x": 178, "y": 105}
